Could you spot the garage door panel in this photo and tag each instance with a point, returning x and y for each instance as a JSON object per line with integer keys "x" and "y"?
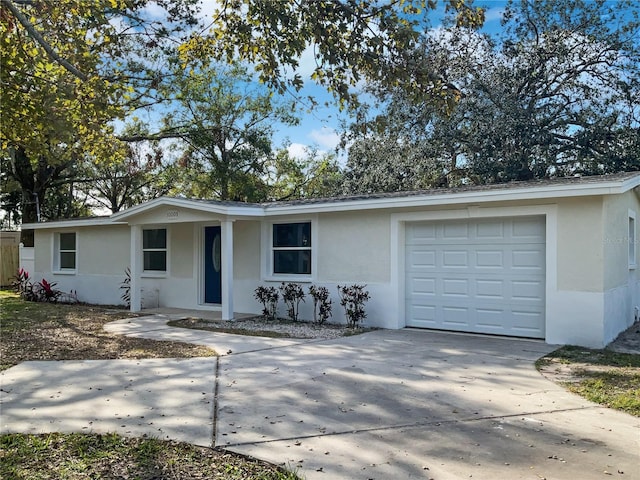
{"x": 425, "y": 232}
{"x": 455, "y": 259}
{"x": 455, "y": 287}
{"x": 489, "y": 289}
{"x": 423, "y": 286}
{"x": 528, "y": 290}
{"x": 489, "y": 259}
{"x": 487, "y": 319}
{"x": 525, "y": 229}
{"x": 526, "y": 322}
{"x": 455, "y": 316}
{"x": 480, "y": 276}
{"x": 454, "y": 231}
{"x": 490, "y": 231}
{"x": 424, "y": 315}
{"x": 420, "y": 258}
{"x": 528, "y": 258}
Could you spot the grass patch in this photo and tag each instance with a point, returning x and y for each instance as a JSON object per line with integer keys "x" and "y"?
{"x": 46, "y": 331}
{"x": 602, "y": 376}
{"x": 572, "y": 354}
{"x": 81, "y": 456}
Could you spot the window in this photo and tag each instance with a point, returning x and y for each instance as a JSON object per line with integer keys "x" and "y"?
{"x": 292, "y": 248}
{"x": 154, "y": 250}
{"x": 67, "y": 251}
{"x": 632, "y": 239}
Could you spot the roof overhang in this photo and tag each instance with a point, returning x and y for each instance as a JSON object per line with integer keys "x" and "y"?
{"x": 513, "y": 193}
{"x": 219, "y": 208}
{"x": 72, "y": 223}
{"x": 587, "y": 186}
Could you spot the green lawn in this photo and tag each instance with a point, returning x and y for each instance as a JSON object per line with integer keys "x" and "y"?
{"x": 44, "y": 331}
{"x": 78, "y": 456}
{"x": 47, "y": 331}
{"x": 601, "y": 376}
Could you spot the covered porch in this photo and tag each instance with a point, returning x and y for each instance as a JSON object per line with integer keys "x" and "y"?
{"x": 182, "y": 255}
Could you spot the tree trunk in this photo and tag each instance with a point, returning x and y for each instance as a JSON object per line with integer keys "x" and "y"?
{"x": 34, "y": 184}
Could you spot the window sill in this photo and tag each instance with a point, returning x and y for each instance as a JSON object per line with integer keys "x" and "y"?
{"x": 289, "y": 278}
{"x": 64, "y": 272}
{"x": 151, "y": 274}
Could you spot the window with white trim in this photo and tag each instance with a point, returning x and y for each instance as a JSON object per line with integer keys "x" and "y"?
{"x": 66, "y": 251}
{"x": 632, "y": 239}
{"x": 292, "y": 248}
{"x": 154, "y": 250}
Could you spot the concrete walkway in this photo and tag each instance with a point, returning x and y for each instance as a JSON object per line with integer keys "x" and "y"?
{"x": 382, "y": 405}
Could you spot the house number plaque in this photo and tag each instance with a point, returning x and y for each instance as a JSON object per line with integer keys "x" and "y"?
{"x": 172, "y": 213}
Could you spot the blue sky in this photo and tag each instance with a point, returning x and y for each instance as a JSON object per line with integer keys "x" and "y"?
{"x": 321, "y": 128}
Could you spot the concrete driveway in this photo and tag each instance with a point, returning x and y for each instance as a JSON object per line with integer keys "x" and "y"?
{"x": 383, "y": 405}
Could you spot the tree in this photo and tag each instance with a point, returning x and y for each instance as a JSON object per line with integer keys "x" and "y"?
{"x": 313, "y": 176}
{"x": 225, "y": 122}
{"x": 10, "y": 197}
{"x": 138, "y": 177}
{"x": 351, "y": 40}
{"x": 552, "y": 96}
{"x": 69, "y": 68}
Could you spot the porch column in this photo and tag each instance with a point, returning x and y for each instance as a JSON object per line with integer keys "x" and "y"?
{"x": 226, "y": 234}
{"x": 136, "y": 268}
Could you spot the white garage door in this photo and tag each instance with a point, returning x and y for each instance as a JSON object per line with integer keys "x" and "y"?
{"x": 484, "y": 276}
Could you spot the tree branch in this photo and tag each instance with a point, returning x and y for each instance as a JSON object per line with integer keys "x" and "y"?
{"x": 24, "y": 21}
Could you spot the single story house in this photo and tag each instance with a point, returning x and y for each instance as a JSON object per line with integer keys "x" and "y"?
{"x": 552, "y": 259}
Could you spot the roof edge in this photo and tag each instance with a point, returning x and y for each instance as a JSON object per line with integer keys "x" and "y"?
{"x": 600, "y": 185}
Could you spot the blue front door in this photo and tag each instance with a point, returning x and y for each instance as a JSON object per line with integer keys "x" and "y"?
{"x": 212, "y": 263}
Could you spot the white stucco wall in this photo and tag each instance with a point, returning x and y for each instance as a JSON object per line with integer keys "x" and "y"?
{"x": 246, "y": 265}
{"x": 342, "y": 255}
{"x": 597, "y": 291}
{"x": 575, "y": 305}
{"x": 354, "y": 247}
{"x": 591, "y": 293}
{"x": 102, "y": 255}
{"x": 580, "y": 237}
{"x": 621, "y": 280}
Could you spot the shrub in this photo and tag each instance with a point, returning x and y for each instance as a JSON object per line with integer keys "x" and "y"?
{"x": 292, "y": 295}
{"x": 126, "y": 286}
{"x": 24, "y": 287}
{"x": 42, "y": 291}
{"x": 353, "y": 298}
{"x": 47, "y": 292}
{"x": 321, "y": 303}
{"x": 268, "y": 297}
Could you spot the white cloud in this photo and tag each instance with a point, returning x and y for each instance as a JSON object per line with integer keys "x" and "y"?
{"x": 298, "y": 150}
{"x": 326, "y": 138}
{"x": 154, "y": 11}
{"x": 493, "y": 14}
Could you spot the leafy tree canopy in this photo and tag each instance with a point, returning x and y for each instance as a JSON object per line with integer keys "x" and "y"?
{"x": 351, "y": 41}
{"x": 225, "y": 123}
{"x": 555, "y": 94}
{"x": 69, "y": 67}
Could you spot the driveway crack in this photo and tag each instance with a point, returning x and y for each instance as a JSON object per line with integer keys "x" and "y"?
{"x": 216, "y": 383}
{"x": 409, "y": 425}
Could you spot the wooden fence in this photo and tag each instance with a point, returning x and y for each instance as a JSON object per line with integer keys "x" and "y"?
{"x": 9, "y": 263}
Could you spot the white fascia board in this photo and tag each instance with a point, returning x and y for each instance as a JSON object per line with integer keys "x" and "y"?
{"x": 537, "y": 192}
{"x": 510, "y": 194}
{"x": 92, "y": 222}
{"x": 191, "y": 205}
